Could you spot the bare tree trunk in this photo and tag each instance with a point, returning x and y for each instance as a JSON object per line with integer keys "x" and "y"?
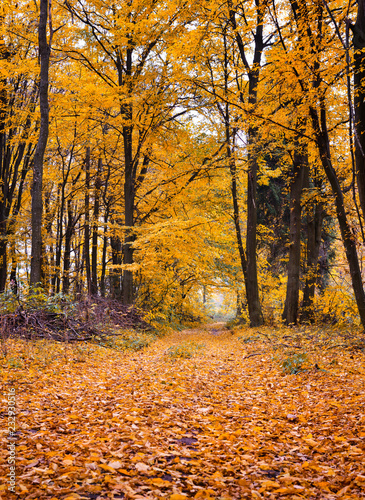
{"x": 253, "y": 73}
{"x": 128, "y": 293}
{"x": 348, "y": 239}
{"x": 314, "y": 225}
{"x": 300, "y": 164}
{"x": 13, "y": 277}
{"x": 37, "y": 206}
{"x": 87, "y": 221}
{"x": 252, "y": 286}
{"x": 115, "y": 275}
{"x": 67, "y": 250}
{"x": 94, "y": 246}
{"x": 359, "y": 100}
{"x": 104, "y": 253}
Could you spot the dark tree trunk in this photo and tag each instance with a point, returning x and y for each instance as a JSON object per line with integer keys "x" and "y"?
{"x": 253, "y": 73}
{"x": 87, "y": 221}
{"x": 13, "y": 277}
{"x": 314, "y": 231}
{"x": 3, "y": 260}
{"x": 126, "y": 107}
{"x": 349, "y": 241}
{"x": 94, "y": 248}
{"x": 230, "y": 138}
{"x": 359, "y": 100}
{"x": 67, "y": 250}
{"x": 252, "y": 286}
{"x": 56, "y": 280}
{"x": 115, "y": 275}
{"x": 78, "y": 262}
{"x": 129, "y": 193}
{"x": 3, "y": 162}
{"x": 104, "y": 253}
{"x": 318, "y": 118}
{"x": 13, "y": 152}
{"x": 37, "y": 206}
{"x": 300, "y": 164}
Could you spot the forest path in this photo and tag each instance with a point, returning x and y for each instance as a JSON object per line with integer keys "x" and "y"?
{"x": 201, "y": 413}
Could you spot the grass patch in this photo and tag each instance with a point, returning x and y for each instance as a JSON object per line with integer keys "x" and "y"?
{"x": 185, "y": 350}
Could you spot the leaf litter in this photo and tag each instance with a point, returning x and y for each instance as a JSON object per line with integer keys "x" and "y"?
{"x": 231, "y": 420}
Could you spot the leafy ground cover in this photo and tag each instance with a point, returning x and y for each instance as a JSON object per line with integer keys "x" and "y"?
{"x": 206, "y": 413}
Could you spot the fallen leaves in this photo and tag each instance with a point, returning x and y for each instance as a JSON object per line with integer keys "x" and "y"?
{"x": 213, "y": 426}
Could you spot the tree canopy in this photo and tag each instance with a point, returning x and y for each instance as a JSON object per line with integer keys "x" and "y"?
{"x": 176, "y": 155}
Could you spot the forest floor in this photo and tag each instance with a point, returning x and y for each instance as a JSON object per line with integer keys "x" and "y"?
{"x": 204, "y": 413}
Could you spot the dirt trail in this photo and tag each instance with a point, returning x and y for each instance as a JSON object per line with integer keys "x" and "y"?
{"x": 202, "y": 413}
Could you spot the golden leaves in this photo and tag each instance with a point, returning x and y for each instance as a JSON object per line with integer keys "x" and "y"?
{"x": 239, "y": 427}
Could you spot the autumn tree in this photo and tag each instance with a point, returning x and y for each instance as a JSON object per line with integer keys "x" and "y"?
{"x": 44, "y": 44}
{"x": 18, "y": 95}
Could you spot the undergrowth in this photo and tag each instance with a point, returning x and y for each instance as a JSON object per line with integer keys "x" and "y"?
{"x": 185, "y": 350}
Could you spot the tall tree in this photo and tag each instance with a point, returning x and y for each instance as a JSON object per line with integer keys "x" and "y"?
{"x": 359, "y": 99}
{"x": 318, "y": 115}
{"x": 300, "y": 164}
{"x": 253, "y": 75}
{"x": 44, "y": 45}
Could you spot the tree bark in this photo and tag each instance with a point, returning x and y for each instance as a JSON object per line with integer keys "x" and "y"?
{"x": 359, "y": 100}
{"x": 253, "y": 73}
{"x": 67, "y": 250}
{"x": 252, "y": 286}
{"x": 129, "y": 188}
{"x": 94, "y": 245}
{"x": 314, "y": 237}
{"x": 300, "y": 164}
{"x": 348, "y": 239}
{"x": 37, "y": 205}
{"x": 115, "y": 275}
{"x": 104, "y": 253}
{"x": 87, "y": 221}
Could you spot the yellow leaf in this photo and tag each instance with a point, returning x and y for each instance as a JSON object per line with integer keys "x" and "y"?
{"x": 67, "y": 462}
{"x": 125, "y": 472}
{"x": 311, "y": 442}
{"x": 330, "y": 472}
{"x": 159, "y": 482}
{"x": 243, "y": 482}
{"x": 178, "y": 496}
{"x": 217, "y": 475}
{"x": 268, "y": 485}
{"x": 324, "y": 485}
{"x": 203, "y": 494}
{"x": 107, "y": 468}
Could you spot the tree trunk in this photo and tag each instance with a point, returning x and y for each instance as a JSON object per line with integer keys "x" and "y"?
{"x": 115, "y": 274}
{"x": 13, "y": 277}
{"x": 300, "y": 163}
{"x": 37, "y": 206}
{"x": 253, "y": 73}
{"x": 349, "y": 242}
{"x": 252, "y": 286}
{"x": 314, "y": 225}
{"x": 56, "y": 278}
{"x": 128, "y": 293}
{"x": 359, "y": 100}
{"x": 67, "y": 251}
{"x": 87, "y": 221}
{"x": 3, "y": 260}
{"x": 104, "y": 253}
{"x": 94, "y": 246}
